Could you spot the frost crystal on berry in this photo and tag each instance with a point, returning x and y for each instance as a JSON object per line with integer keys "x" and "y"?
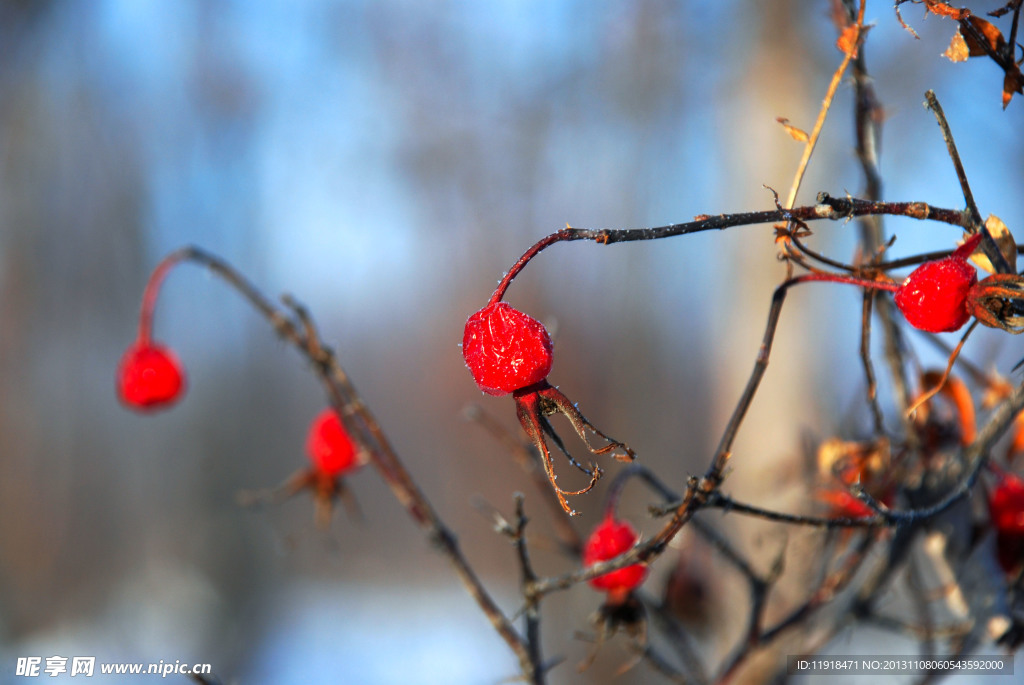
{"x": 505, "y": 349}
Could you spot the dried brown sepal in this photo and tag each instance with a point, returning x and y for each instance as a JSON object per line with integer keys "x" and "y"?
{"x": 995, "y": 302}
{"x": 537, "y": 402}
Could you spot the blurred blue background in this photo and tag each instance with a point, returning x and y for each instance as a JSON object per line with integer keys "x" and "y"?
{"x": 385, "y": 161}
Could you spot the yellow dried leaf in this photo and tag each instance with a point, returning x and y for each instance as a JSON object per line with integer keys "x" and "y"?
{"x": 957, "y": 50}
{"x": 1004, "y": 239}
{"x": 795, "y": 133}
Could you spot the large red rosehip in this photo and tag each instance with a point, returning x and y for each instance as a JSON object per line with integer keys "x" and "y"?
{"x": 149, "y": 377}
{"x": 610, "y": 539}
{"x": 330, "y": 448}
{"x": 933, "y": 298}
{"x": 505, "y": 349}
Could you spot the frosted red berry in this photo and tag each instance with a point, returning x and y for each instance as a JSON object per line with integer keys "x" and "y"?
{"x": 505, "y": 349}
{"x": 330, "y": 448}
{"x": 610, "y": 539}
{"x": 933, "y": 298}
{"x": 149, "y": 377}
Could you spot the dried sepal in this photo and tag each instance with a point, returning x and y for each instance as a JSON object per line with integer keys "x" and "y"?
{"x": 537, "y": 402}
{"x": 998, "y": 302}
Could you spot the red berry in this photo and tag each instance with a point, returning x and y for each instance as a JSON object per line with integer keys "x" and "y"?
{"x": 610, "y": 539}
{"x": 329, "y": 446}
{"x": 1006, "y": 505}
{"x": 149, "y": 377}
{"x": 934, "y": 296}
{"x": 844, "y": 505}
{"x": 505, "y": 349}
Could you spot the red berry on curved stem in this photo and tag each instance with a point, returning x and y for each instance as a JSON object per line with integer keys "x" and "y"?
{"x": 330, "y": 448}
{"x": 610, "y": 539}
{"x": 933, "y": 298}
{"x": 149, "y": 377}
{"x": 505, "y": 349}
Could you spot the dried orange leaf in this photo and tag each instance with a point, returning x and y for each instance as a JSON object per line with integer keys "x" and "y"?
{"x": 957, "y": 50}
{"x": 797, "y": 134}
{"x": 1013, "y": 83}
{"x": 850, "y": 39}
{"x": 1004, "y": 239}
{"x": 993, "y": 37}
{"x": 944, "y": 10}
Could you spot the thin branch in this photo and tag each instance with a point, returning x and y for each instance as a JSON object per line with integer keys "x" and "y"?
{"x": 827, "y": 207}
{"x": 833, "y": 86}
{"x": 990, "y": 246}
{"x": 349, "y": 405}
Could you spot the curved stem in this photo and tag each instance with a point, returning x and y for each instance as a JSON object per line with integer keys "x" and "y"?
{"x": 827, "y": 207}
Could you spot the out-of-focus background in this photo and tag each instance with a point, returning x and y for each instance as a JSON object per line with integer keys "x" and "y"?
{"x": 385, "y": 162}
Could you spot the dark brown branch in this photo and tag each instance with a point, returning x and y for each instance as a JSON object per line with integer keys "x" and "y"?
{"x": 827, "y": 207}
{"x": 358, "y": 418}
{"x": 989, "y": 244}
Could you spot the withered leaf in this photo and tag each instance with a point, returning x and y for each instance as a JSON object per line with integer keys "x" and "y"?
{"x": 957, "y": 50}
{"x": 1012, "y": 83}
{"x": 849, "y": 40}
{"x": 797, "y": 134}
{"x": 992, "y": 36}
{"x": 1004, "y": 239}
{"x": 944, "y": 10}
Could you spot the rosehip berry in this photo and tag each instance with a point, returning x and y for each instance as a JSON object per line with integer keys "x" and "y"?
{"x": 329, "y": 446}
{"x": 505, "y": 349}
{"x": 610, "y": 539}
{"x": 1006, "y": 505}
{"x": 844, "y": 505}
{"x": 934, "y": 296}
{"x": 149, "y": 377}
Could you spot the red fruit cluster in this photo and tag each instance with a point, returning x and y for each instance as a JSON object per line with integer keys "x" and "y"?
{"x": 505, "y": 349}
{"x": 1006, "y": 510}
{"x": 610, "y": 539}
{"x": 330, "y": 448}
{"x": 934, "y": 296}
{"x": 149, "y": 377}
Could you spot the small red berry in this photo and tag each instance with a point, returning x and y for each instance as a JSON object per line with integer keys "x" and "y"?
{"x": 934, "y": 296}
{"x": 610, "y": 539}
{"x": 844, "y": 505}
{"x": 329, "y": 446}
{"x": 505, "y": 349}
{"x": 1006, "y": 505}
{"x": 149, "y": 377}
